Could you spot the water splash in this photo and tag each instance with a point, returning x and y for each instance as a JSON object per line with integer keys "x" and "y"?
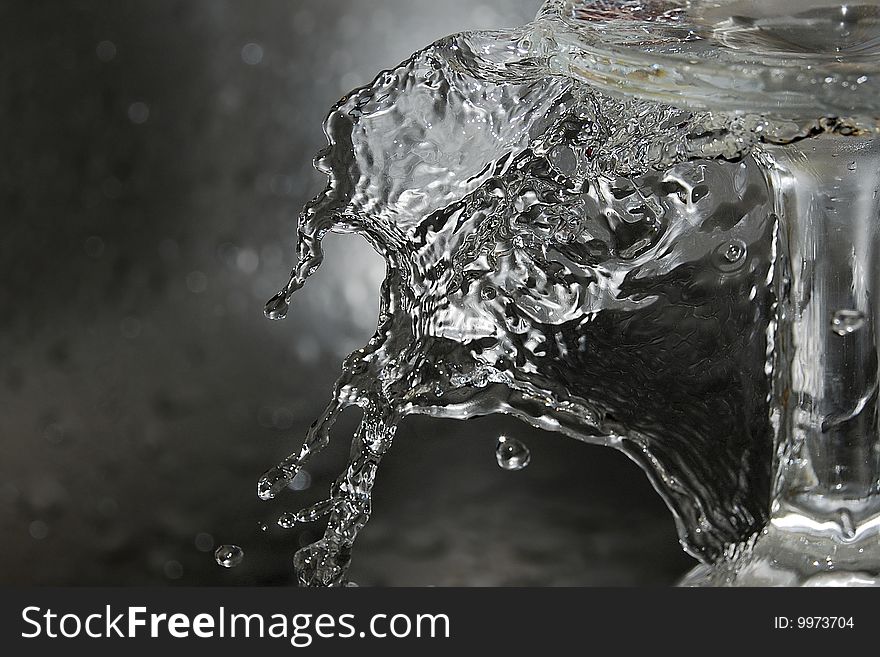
{"x": 595, "y": 266}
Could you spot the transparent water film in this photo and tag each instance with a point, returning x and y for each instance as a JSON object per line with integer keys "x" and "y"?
{"x": 642, "y": 225}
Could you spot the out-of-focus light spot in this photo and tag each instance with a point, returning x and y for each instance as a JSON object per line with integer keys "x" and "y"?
{"x": 196, "y": 282}
{"x": 94, "y": 246}
{"x": 130, "y": 327}
{"x": 38, "y": 530}
{"x": 301, "y": 481}
{"x": 247, "y": 261}
{"x": 106, "y": 51}
{"x": 282, "y": 419}
{"x": 204, "y": 542}
{"x": 138, "y": 112}
{"x": 173, "y": 570}
{"x": 307, "y": 349}
{"x": 252, "y": 54}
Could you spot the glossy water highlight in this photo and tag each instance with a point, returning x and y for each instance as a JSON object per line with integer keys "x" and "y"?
{"x": 598, "y": 265}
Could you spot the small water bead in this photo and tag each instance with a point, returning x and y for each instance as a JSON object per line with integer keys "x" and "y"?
{"x": 734, "y": 253}
{"x": 228, "y": 556}
{"x": 278, "y": 306}
{"x": 273, "y": 482}
{"x": 287, "y": 520}
{"x": 511, "y": 454}
{"x": 852, "y": 166}
{"x": 844, "y": 322}
{"x": 731, "y": 255}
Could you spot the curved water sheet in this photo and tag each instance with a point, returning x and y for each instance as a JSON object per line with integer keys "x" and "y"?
{"x": 595, "y": 266}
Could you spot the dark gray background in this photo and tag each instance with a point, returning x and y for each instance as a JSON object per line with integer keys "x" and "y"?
{"x": 152, "y": 167}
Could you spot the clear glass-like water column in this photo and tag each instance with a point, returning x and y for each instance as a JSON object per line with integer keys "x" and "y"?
{"x": 648, "y": 224}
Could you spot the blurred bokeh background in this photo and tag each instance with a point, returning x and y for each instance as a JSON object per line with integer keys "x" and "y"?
{"x": 155, "y": 156}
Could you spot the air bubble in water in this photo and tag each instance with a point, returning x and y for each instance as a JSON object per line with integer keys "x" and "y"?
{"x": 845, "y": 322}
{"x": 731, "y": 255}
{"x": 229, "y": 556}
{"x": 511, "y": 454}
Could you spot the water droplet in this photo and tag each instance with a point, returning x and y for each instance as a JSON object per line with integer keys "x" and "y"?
{"x": 273, "y": 482}
{"x": 229, "y": 556}
{"x": 731, "y": 255}
{"x": 488, "y": 293}
{"x": 278, "y": 306}
{"x": 511, "y": 454}
{"x": 845, "y": 322}
{"x": 852, "y": 166}
{"x": 287, "y": 520}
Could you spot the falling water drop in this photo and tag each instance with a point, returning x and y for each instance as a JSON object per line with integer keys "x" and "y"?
{"x": 845, "y": 322}
{"x": 511, "y": 454}
{"x": 229, "y": 556}
{"x": 274, "y": 481}
{"x": 278, "y": 306}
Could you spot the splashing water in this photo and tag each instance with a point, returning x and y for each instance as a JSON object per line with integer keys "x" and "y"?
{"x": 592, "y": 265}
